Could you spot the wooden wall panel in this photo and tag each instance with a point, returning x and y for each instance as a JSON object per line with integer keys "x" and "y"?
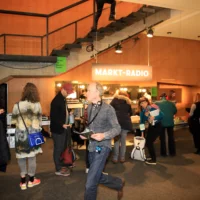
{"x": 45, "y": 86}
{"x": 36, "y": 6}
{"x": 23, "y": 46}
{"x": 70, "y": 16}
{"x": 26, "y": 25}
{"x": 58, "y": 39}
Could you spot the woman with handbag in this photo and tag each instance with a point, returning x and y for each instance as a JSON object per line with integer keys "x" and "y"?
{"x": 27, "y": 116}
{"x": 150, "y": 123}
{"x": 122, "y": 105}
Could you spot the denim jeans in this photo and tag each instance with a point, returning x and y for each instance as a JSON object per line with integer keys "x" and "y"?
{"x": 87, "y": 163}
{"x": 120, "y": 146}
{"x": 95, "y": 175}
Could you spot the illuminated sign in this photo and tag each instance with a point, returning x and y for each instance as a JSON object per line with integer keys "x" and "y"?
{"x": 118, "y": 72}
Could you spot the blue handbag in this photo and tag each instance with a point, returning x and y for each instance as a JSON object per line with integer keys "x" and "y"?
{"x": 34, "y": 139}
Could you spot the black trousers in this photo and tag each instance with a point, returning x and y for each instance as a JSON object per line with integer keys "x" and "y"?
{"x": 59, "y": 145}
{"x": 195, "y": 130}
{"x": 152, "y": 133}
{"x": 171, "y": 142}
{"x": 100, "y": 4}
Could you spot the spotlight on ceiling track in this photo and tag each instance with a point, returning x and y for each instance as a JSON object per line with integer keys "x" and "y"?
{"x": 118, "y": 48}
{"x": 150, "y": 32}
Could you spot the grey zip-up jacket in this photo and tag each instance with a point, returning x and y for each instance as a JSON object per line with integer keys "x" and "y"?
{"x": 106, "y": 122}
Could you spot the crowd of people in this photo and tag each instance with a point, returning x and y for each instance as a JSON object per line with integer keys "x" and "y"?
{"x": 106, "y": 122}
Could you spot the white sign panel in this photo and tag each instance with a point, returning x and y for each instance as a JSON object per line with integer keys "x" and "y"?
{"x": 119, "y": 72}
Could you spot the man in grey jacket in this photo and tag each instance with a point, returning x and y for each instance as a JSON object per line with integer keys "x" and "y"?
{"x": 103, "y": 122}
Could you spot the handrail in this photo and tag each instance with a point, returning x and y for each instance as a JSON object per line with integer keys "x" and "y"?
{"x": 66, "y": 8}
{"x": 42, "y": 15}
{"x": 21, "y": 35}
{"x": 62, "y": 27}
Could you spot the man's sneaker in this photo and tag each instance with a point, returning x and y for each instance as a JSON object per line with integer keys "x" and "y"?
{"x": 147, "y": 159}
{"x": 112, "y": 18}
{"x": 34, "y": 183}
{"x": 150, "y": 162}
{"x": 23, "y": 186}
{"x": 86, "y": 170}
{"x": 62, "y": 173}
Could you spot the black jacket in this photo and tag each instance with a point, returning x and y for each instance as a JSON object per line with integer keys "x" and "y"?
{"x": 58, "y": 114}
{"x": 4, "y": 149}
{"x": 122, "y": 106}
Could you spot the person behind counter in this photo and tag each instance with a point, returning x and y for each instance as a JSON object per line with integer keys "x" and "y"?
{"x": 194, "y": 122}
{"x": 169, "y": 110}
{"x": 122, "y": 105}
{"x": 150, "y": 119}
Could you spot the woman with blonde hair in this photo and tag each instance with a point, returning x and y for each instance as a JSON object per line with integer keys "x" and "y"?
{"x": 30, "y": 109}
{"x": 122, "y": 105}
{"x": 194, "y": 122}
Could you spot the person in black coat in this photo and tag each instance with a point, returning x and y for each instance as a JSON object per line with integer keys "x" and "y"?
{"x": 4, "y": 148}
{"x": 194, "y": 122}
{"x": 59, "y": 118}
{"x": 122, "y": 105}
{"x": 100, "y": 4}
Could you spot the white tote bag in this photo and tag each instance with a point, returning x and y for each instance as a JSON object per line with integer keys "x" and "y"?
{"x": 138, "y": 152}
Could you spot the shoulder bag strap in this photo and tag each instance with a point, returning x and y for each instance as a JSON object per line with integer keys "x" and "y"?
{"x": 22, "y": 118}
{"x": 94, "y": 116}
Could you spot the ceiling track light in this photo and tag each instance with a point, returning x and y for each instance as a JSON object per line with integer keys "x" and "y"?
{"x": 118, "y": 48}
{"x": 150, "y": 32}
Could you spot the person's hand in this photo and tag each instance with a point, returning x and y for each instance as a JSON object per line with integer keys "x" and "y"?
{"x": 98, "y": 136}
{"x": 67, "y": 125}
{"x": 147, "y": 113}
{"x": 151, "y": 118}
{"x": 2, "y": 111}
{"x": 82, "y": 137}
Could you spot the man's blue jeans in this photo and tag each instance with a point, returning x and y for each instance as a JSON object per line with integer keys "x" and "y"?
{"x": 95, "y": 176}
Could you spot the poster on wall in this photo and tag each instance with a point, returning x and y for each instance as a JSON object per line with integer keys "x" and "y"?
{"x": 61, "y": 65}
{"x": 121, "y": 72}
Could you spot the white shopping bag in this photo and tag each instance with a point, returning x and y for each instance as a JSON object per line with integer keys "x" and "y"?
{"x": 138, "y": 152}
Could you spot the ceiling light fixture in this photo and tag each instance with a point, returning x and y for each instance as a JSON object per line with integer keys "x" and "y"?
{"x": 118, "y": 48}
{"x": 150, "y": 32}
